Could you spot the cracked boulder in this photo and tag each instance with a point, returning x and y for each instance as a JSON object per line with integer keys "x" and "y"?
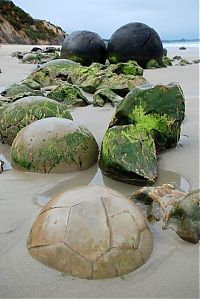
{"x": 158, "y": 109}
{"x": 135, "y": 41}
{"x": 23, "y": 112}
{"x": 84, "y": 47}
{"x": 91, "y": 232}
{"x": 55, "y": 145}
{"x": 128, "y": 155}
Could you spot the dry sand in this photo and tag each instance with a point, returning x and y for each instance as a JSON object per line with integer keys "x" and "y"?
{"x": 173, "y": 268}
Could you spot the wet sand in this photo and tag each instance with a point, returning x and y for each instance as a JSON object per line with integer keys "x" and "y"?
{"x": 172, "y": 270}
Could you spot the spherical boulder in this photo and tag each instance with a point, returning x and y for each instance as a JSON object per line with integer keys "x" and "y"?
{"x": 91, "y": 232}
{"x": 84, "y": 47}
{"x": 135, "y": 41}
{"x": 54, "y": 145}
{"x": 23, "y": 112}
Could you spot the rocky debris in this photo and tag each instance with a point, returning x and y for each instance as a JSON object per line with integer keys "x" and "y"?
{"x": 55, "y": 145}
{"x": 182, "y": 48}
{"x": 105, "y": 95}
{"x": 196, "y": 61}
{"x": 183, "y": 62}
{"x": 90, "y": 79}
{"x": 23, "y": 112}
{"x": 177, "y": 210}
{"x": 69, "y": 95}
{"x": 184, "y": 217}
{"x": 152, "y": 64}
{"x": 84, "y": 47}
{"x": 177, "y": 57}
{"x": 91, "y": 232}
{"x": 156, "y": 202}
{"x": 135, "y": 41}
{"x": 128, "y": 155}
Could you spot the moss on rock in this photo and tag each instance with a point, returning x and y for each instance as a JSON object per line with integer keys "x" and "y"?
{"x": 25, "y": 111}
{"x": 54, "y": 145}
{"x": 69, "y": 94}
{"x": 18, "y": 91}
{"x": 129, "y": 155}
{"x": 105, "y": 95}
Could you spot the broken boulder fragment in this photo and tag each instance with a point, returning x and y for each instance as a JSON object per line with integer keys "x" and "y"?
{"x": 128, "y": 155}
{"x": 68, "y": 94}
{"x": 158, "y": 109}
{"x": 184, "y": 218}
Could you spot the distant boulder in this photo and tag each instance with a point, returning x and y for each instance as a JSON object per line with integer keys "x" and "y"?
{"x": 135, "y": 41}
{"x": 182, "y": 48}
{"x": 84, "y": 47}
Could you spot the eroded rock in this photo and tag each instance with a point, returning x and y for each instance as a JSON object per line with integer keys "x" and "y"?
{"x": 23, "y": 112}
{"x": 54, "y": 145}
{"x": 128, "y": 155}
{"x": 91, "y": 232}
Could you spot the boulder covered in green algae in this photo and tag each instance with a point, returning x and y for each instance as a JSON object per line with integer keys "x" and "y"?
{"x": 25, "y": 111}
{"x": 160, "y": 99}
{"x": 90, "y": 78}
{"x": 128, "y": 155}
{"x": 52, "y": 74}
{"x": 68, "y": 94}
{"x": 166, "y": 61}
{"x": 184, "y": 218}
{"x": 158, "y": 109}
{"x": 55, "y": 145}
{"x": 18, "y": 91}
{"x": 152, "y": 64}
{"x": 105, "y": 95}
{"x": 130, "y": 67}
{"x": 121, "y": 84}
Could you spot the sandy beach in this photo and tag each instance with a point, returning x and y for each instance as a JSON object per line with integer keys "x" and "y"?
{"x": 172, "y": 271}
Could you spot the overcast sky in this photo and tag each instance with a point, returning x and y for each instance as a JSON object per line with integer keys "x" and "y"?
{"x": 172, "y": 19}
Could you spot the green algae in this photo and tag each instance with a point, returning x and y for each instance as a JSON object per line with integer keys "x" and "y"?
{"x": 21, "y": 113}
{"x": 152, "y": 64}
{"x": 18, "y": 91}
{"x": 121, "y": 76}
{"x": 70, "y": 149}
{"x": 160, "y": 99}
{"x": 68, "y": 94}
{"x": 128, "y": 155}
{"x": 166, "y": 61}
{"x": 105, "y": 95}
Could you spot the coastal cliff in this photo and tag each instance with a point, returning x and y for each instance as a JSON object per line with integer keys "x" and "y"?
{"x": 18, "y": 27}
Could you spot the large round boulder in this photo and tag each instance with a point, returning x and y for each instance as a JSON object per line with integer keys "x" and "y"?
{"x": 84, "y": 47}
{"x": 54, "y": 145}
{"x": 91, "y": 232}
{"x": 23, "y": 112}
{"x": 135, "y": 41}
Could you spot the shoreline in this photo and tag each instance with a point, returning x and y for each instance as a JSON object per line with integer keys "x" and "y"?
{"x": 171, "y": 271}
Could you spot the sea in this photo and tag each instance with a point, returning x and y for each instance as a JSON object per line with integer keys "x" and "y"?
{"x": 178, "y": 44}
